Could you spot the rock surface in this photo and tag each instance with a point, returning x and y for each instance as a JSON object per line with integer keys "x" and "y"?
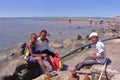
{"x": 19, "y": 69}
{"x": 113, "y": 68}
{"x": 67, "y": 42}
{"x": 56, "y": 45}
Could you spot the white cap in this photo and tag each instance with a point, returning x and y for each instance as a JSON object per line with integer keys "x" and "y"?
{"x": 93, "y": 34}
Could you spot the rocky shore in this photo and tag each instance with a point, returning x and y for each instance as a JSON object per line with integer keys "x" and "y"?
{"x": 14, "y": 67}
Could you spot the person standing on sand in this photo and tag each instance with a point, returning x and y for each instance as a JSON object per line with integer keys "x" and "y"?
{"x": 90, "y": 21}
{"x": 69, "y": 20}
{"x": 99, "y": 57}
{"x": 101, "y": 21}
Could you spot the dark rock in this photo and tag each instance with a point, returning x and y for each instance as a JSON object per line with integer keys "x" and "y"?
{"x": 12, "y": 54}
{"x": 48, "y": 34}
{"x": 21, "y": 45}
{"x": 20, "y": 70}
{"x": 93, "y": 30}
{"x": 79, "y": 37}
{"x": 76, "y": 44}
{"x": 28, "y": 71}
{"x": 86, "y": 37}
{"x": 89, "y": 46}
{"x": 79, "y": 27}
{"x": 10, "y": 78}
{"x": 60, "y": 33}
{"x": 20, "y": 49}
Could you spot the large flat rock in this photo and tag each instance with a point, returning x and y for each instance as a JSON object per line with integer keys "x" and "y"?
{"x": 112, "y": 48}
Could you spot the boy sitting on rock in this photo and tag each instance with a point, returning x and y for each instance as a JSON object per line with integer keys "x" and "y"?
{"x": 99, "y": 57}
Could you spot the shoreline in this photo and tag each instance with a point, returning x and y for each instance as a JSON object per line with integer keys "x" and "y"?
{"x": 78, "y": 26}
{"x": 67, "y": 40}
{"x": 71, "y": 38}
{"x": 69, "y": 59}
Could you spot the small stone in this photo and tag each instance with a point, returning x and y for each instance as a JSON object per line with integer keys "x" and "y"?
{"x": 86, "y": 77}
{"x": 2, "y": 57}
{"x": 56, "y": 45}
{"x": 116, "y": 40}
{"x": 21, "y": 45}
{"x": 79, "y": 27}
{"x": 67, "y": 42}
{"x": 48, "y": 34}
{"x": 77, "y": 44}
{"x": 11, "y": 54}
{"x": 86, "y": 36}
{"x": 59, "y": 32}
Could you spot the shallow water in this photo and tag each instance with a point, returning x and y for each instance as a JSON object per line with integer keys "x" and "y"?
{"x": 16, "y": 30}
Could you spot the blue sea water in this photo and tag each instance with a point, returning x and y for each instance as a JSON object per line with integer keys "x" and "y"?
{"x": 16, "y": 30}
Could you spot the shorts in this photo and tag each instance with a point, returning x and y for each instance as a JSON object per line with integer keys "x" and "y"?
{"x": 30, "y": 59}
{"x": 49, "y": 53}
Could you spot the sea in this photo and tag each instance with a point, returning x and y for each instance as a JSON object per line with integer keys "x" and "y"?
{"x": 18, "y": 29}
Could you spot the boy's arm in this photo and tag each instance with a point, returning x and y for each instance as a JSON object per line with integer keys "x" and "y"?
{"x": 50, "y": 48}
{"x": 97, "y": 56}
{"x": 31, "y": 51}
{"x": 100, "y": 51}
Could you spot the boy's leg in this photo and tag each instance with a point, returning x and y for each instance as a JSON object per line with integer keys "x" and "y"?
{"x": 51, "y": 63}
{"x": 44, "y": 56}
{"x": 49, "y": 53}
{"x": 40, "y": 61}
{"x": 85, "y": 63}
{"x": 89, "y": 58}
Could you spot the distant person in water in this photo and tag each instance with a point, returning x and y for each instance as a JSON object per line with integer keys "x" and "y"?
{"x": 90, "y": 21}
{"x": 42, "y": 45}
{"x": 36, "y": 56}
{"x": 70, "y": 21}
{"x": 98, "y": 57}
{"x": 101, "y": 21}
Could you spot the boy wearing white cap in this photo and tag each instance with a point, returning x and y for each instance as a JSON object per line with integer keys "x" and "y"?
{"x": 98, "y": 57}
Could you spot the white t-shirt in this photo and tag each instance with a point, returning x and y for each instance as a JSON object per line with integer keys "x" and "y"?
{"x": 99, "y": 49}
{"x": 43, "y": 45}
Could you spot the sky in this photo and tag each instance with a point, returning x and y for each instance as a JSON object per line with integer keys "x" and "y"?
{"x": 59, "y": 8}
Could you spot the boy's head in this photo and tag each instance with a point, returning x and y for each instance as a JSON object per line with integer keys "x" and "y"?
{"x": 93, "y": 37}
{"x": 33, "y": 38}
{"x": 43, "y": 34}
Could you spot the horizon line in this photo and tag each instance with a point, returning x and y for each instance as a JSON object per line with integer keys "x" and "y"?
{"x": 52, "y": 17}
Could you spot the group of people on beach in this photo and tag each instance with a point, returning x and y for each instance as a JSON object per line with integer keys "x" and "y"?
{"x": 40, "y": 50}
{"x": 100, "y": 22}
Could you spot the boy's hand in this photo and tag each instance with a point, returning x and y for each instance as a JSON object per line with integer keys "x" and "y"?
{"x": 56, "y": 51}
{"x": 93, "y": 55}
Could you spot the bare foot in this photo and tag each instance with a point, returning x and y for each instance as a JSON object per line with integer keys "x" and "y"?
{"x": 52, "y": 74}
{"x": 58, "y": 70}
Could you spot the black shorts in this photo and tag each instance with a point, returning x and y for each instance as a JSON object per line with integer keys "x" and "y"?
{"x": 49, "y": 53}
